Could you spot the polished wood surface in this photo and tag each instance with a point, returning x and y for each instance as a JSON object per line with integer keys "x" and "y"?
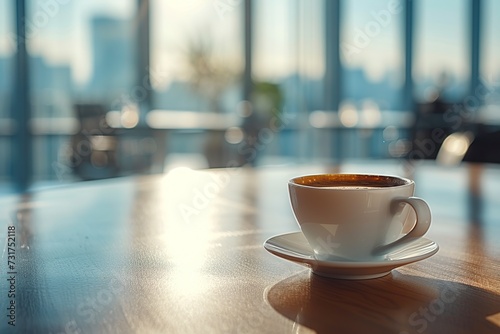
{"x": 182, "y": 253}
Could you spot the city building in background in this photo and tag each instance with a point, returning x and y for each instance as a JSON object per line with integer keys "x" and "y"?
{"x": 122, "y": 87}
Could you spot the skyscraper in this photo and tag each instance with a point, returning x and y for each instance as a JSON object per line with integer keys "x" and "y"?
{"x": 112, "y": 58}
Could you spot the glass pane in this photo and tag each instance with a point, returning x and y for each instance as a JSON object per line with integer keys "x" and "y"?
{"x": 289, "y": 48}
{"x": 7, "y": 50}
{"x": 81, "y": 54}
{"x": 441, "y": 66}
{"x": 372, "y": 54}
{"x": 490, "y": 66}
{"x": 196, "y": 65}
{"x": 196, "y": 54}
{"x": 288, "y": 67}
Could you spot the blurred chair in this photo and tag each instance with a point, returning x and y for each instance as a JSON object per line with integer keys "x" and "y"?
{"x": 484, "y": 149}
{"x": 94, "y": 147}
{"x": 429, "y": 117}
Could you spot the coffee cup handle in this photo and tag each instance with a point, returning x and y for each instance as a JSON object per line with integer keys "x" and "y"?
{"x": 422, "y": 224}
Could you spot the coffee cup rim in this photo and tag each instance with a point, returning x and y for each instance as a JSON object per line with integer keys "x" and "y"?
{"x": 407, "y": 181}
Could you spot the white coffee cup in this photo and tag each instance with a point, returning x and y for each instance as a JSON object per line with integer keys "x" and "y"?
{"x": 357, "y": 216}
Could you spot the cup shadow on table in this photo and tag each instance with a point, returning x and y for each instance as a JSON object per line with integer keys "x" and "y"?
{"x": 395, "y": 303}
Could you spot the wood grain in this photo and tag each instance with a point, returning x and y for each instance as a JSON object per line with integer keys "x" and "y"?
{"x": 182, "y": 253}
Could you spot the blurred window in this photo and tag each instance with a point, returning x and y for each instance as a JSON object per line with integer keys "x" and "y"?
{"x": 288, "y": 50}
{"x": 196, "y": 54}
{"x": 441, "y": 49}
{"x": 371, "y": 49}
{"x": 7, "y": 51}
{"x": 490, "y": 66}
{"x": 84, "y": 55}
{"x": 197, "y": 65}
{"x": 80, "y": 51}
{"x": 288, "y": 66}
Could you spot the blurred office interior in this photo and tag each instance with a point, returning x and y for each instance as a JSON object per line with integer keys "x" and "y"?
{"x": 98, "y": 89}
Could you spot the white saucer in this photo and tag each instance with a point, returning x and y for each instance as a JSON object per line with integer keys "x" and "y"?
{"x": 294, "y": 247}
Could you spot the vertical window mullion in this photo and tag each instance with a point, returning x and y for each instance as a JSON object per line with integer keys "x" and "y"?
{"x": 475, "y": 45}
{"x": 143, "y": 53}
{"x": 20, "y": 110}
{"x": 408, "y": 54}
{"x": 247, "y": 32}
{"x": 333, "y": 71}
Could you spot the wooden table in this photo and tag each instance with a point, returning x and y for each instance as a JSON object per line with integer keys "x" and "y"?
{"x": 182, "y": 253}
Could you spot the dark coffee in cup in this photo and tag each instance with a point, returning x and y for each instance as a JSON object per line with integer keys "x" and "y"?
{"x": 350, "y": 180}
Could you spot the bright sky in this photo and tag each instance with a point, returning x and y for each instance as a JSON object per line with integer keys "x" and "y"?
{"x": 287, "y": 38}
{"x": 371, "y": 36}
{"x": 491, "y": 68}
{"x": 61, "y": 33}
{"x": 6, "y": 45}
{"x": 176, "y": 24}
{"x": 442, "y": 38}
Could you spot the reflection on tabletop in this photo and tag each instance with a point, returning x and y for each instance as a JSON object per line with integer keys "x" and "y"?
{"x": 182, "y": 253}
{"x": 397, "y": 303}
